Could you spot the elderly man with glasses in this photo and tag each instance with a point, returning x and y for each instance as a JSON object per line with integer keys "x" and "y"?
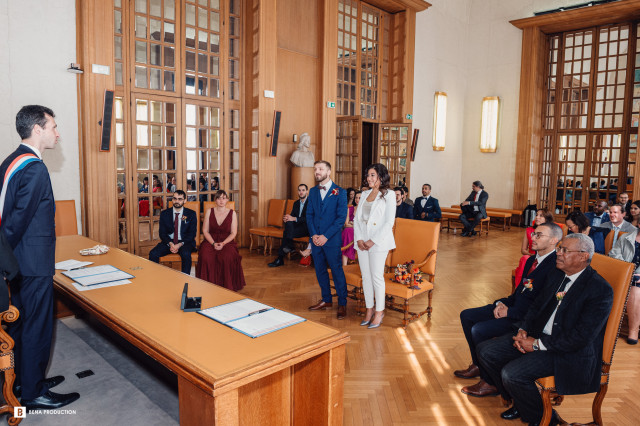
{"x": 498, "y": 318}
{"x": 561, "y": 336}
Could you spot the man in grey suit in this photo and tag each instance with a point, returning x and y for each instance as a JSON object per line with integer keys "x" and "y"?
{"x": 617, "y": 223}
{"x": 474, "y": 209}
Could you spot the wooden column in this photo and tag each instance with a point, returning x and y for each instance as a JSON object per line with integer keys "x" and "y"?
{"x": 329, "y": 68}
{"x": 94, "y": 19}
{"x": 409, "y": 44}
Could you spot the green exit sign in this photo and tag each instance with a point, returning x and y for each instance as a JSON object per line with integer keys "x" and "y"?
{"x": 331, "y": 104}
{"x": 409, "y": 116}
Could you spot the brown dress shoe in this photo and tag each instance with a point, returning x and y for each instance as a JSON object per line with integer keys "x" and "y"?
{"x": 342, "y": 311}
{"x": 481, "y": 389}
{"x": 470, "y": 373}
{"x": 320, "y": 305}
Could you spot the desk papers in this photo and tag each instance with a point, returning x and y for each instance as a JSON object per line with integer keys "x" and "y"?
{"x": 251, "y": 318}
{"x": 97, "y": 275}
{"x": 70, "y": 264}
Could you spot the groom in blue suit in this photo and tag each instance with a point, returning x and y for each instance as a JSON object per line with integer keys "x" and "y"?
{"x": 326, "y": 215}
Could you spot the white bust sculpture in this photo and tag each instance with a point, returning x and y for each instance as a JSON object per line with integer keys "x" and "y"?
{"x": 303, "y": 157}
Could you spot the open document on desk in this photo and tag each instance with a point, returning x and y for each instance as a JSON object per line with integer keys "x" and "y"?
{"x": 252, "y": 318}
{"x": 97, "y": 275}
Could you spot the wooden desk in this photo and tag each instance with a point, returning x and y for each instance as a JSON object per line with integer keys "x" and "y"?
{"x": 294, "y": 375}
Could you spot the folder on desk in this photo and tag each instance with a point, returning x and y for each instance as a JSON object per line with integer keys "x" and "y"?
{"x": 251, "y": 318}
{"x": 97, "y": 275}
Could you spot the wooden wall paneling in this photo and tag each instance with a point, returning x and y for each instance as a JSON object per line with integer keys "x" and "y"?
{"x": 408, "y": 60}
{"x": 94, "y": 19}
{"x": 396, "y": 63}
{"x": 329, "y": 71}
{"x": 393, "y": 6}
{"x": 529, "y": 136}
{"x": 267, "y": 400}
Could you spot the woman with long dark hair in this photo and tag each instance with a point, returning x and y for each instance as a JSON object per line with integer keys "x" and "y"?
{"x": 577, "y": 222}
{"x": 373, "y": 234}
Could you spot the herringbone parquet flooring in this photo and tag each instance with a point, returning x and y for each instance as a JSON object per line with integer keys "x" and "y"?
{"x": 405, "y": 377}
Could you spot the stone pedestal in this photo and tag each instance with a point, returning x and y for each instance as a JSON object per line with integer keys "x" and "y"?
{"x": 301, "y": 175}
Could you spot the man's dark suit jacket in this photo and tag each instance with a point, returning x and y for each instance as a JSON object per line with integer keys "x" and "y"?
{"x": 28, "y": 218}
{"x": 578, "y": 329}
{"x": 404, "y": 211}
{"x": 431, "y": 208}
{"x": 522, "y": 298}
{"x": 295, "y": 212}
{"x": 8, "y": 269}
{"x": 591, "y": 215}
{"x": 481, "y": 203}
{"x": 188, "y": 227}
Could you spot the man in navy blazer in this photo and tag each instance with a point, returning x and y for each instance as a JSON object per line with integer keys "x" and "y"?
{"x": 326, "y": 215}
{"x": 474, "y": 209}
{"x": 295, "y": 225}
{"x": 27, "y": 220}
{"x": 426, "y": 207}
{"x": 184, "y": 242}
{"x": 403, "y": 210}
{"x": 599, "y": 214}
{"x": 498, "y": 318}
{"x": 562, "y": 335}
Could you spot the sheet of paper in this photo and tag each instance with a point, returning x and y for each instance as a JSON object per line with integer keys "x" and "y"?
{"x": 81, "y": 287}
{"x": 68, "y": 265}
{"x": 266, "y": 322}
{"x": 234, "y": 310}
{"x": 97, "y": 275}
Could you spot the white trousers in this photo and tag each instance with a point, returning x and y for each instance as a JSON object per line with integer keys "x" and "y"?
{"x": 372, "y": 269}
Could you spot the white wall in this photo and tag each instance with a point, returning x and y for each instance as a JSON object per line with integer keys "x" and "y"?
{"x": 469, "y": 49}
{"x": 37, "y": 44}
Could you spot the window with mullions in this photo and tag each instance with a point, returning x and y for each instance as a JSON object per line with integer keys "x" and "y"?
{"x": 590, "y": 117}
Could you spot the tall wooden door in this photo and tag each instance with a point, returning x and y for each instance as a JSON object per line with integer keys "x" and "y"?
{"x": 393, "y": 151}
{"x": 348, "y": 170}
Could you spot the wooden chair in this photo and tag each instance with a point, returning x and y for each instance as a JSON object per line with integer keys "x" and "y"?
{"x": 618, "y": 274}
{"x": 608, "y": 240}
{"x": 276, "y": 233}
{"x": 65, "y": 219}
{"x": 6, "y": 360}
{"x": 173, "y": 258}
{"x": 274, "y": 221}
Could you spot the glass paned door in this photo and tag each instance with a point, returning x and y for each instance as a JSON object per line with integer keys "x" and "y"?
{"x": 393, "y": 151}
{"x": 348, "y": 173}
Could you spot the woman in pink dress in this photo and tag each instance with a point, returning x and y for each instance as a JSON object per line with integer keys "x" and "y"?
{"x": 218, "y": 260}
{"x": 347, "y": 231}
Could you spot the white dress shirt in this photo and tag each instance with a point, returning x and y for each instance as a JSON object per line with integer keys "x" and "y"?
{"x": 327, "y": 186}
{"x": 34, "y": 149}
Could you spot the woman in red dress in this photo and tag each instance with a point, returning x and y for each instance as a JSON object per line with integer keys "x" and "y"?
{"x": 218, "y": 260}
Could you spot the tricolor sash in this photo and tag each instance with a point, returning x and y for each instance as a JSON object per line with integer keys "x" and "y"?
{"x": 18, "y": 163}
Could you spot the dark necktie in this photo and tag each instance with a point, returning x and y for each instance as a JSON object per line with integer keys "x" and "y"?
{"x": 545, "y": 314}
{"x": 176, "y": 222}
{"x": 533, "y": 267}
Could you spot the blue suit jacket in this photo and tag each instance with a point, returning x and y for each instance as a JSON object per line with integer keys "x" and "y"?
{"x": 522, "y": 298}
{"x": 28, "y": 218}
{"x": 431, "y": 208}
{"x": 327, "y": 217}
{"x": 590, "y": 216}
{"x": 188, "y": 227}
{"x": 404, "y": 211}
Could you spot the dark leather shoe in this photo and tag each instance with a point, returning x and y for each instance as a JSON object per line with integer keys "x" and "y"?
{"x": 481, "y": 389}
{"x": 470, "y": 373}
{"x": 320, "y": 305}
{"x": 342, "y": 311}
{"x": 48, "y": 383}
{"x": 511, "y": 414}
{"x": 473, "y": 234}
{"x": 276, "y": 263}
{"x": 50, "y": 400}
{"x": 465, "y": 233}
{"x": 555, "y": 420}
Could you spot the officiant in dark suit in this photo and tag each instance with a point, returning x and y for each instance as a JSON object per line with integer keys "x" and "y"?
{"x": 500, "y": 317}
{"x": 562, "y": 335}
{"x": 178, "y": 227}
{"x": 474, "y": 209}
{"x": 426, "y": 207}
{"x": 295, "y": 226}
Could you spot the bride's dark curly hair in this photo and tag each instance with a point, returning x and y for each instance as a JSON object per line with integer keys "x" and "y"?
{"x": 383, "y": 175}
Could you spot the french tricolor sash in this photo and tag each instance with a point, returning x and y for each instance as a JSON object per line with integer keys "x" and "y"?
{"x": 15, "y": 165}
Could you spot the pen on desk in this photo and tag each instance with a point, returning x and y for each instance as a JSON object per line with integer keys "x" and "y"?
{"x": 258, "y": 312}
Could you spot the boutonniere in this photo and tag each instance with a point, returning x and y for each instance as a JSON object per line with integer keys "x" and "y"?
{"x": 184, "y": 218}
{"x": 527, "y": 285}
{"x": 335, "y": 191}
{"x": 560, "y": 296}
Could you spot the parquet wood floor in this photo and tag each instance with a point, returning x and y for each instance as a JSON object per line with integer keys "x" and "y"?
{"x": 405, "y": 377}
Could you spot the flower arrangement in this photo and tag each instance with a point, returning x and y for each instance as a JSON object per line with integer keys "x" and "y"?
{"x": 407, "y": 274}
{"x": 527, "y": 285}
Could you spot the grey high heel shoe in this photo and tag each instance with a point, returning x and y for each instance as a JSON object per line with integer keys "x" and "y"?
{"x": 376, "y": 325}
{"x": 365, "y": 322}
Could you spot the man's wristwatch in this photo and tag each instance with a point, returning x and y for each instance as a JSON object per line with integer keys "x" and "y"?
{"x": 536, "y": 345}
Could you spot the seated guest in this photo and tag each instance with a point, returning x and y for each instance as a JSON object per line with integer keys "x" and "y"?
{"x": 628, "y": 249}
{"x": 626, "y": 205}
{"x": 617, "y": 223}
{"x": 599, "y": 214}
{"x": 634, "y": 213}
{"x": 351, "y": 193}
{"x": 178, "y": 227}
{"x": 474, "y": 209}
{"x": 542, "y": 216}
{"x": 403, "y": 210}
{"x": 295, "y": 226}
{"x": 498, "y": 318}
{"x": 561, "y": 336}
{"x": 219, "y": 261}
{"x": 426, "y": 207}
{"x": 577, "y": 223}
{"x": 405, "y": 196}
{"x": 347, "y": 232}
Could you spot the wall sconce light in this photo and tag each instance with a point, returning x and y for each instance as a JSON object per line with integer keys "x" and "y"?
{"x": 439, "y": 120}
{"x": 295, "y": 138}
{"x": 490, "y": 124}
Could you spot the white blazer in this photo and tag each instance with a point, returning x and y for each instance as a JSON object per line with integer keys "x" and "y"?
{"x": 379, "y": 228}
